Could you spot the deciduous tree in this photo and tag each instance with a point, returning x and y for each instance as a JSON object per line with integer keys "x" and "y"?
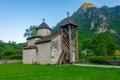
{"x": 31, "y": 31}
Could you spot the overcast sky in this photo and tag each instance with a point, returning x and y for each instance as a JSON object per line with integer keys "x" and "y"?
{"x": 18, "y": 15}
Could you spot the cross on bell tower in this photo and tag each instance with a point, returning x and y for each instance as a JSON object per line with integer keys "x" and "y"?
{"x": 69, "y": 40}
{"x": 68, "y": 14}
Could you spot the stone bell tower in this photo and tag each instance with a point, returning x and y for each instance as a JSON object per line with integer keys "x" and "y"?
{"x": 43, "y": 29}
{"x": 69, "y": 38}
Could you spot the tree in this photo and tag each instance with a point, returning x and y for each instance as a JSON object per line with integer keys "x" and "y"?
{"x": 11, "y": 50}
{"x": 87, "y": 44}
{"x": 30, "y": 31}
{"x": 1, "y": 41}
{"x": 87, "y": 47}
{"x": 104, "y": 44}
{"x": 56, "y": 29}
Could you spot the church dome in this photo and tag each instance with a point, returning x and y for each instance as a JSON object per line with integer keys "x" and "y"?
{"x": 43, "y": 29}
{"x": 43, "y": 26}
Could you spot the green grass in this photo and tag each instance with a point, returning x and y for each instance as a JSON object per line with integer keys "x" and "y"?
{"x": 21, "y": 71}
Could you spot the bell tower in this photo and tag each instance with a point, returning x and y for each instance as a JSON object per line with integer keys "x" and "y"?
{"x": 69, "y": 38}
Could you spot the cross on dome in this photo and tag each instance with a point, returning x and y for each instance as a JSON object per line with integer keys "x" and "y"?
{"x": 43, "y": 19}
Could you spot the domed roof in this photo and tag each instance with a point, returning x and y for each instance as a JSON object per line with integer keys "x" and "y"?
{"x": 43, "y": 26}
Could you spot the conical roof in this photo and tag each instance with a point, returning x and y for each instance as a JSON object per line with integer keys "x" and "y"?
{"x": 68, "y": 21}
{"x": 43, "y": 26}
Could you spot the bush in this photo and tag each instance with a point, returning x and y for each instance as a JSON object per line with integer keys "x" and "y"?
{"x": 112, "y": 58}
{"x": 16, "y": 56}
{"x": 96, "y": 59}
{"x": 101, "y": 59}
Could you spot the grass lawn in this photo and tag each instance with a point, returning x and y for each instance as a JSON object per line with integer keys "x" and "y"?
{"x": 21, "y": 71}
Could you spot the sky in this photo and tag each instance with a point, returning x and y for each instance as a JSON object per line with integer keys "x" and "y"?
{"x": 18, "y": 15}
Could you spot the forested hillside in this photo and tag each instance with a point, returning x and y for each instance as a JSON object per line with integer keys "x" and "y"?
{"x": 10, "y": 50}
{"x": 98, "y": 31}
{"x": 93, "y": 20}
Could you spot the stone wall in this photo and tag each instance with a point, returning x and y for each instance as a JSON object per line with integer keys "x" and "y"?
{"x": 32, "y": 41}
{"x": 55, "y": 49}
{"x": 29, "y": 56}
{"x": 113, "y": 62}
{"x": 43, "y": 32}
{"x": 43, "y": 53}
{"x": 9, "y": 61}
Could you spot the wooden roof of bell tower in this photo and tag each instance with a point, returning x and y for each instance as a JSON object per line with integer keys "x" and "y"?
{"x": 67, "y": 21}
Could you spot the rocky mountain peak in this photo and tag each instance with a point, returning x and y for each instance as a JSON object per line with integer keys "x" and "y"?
{"x": 87, "y": 5}
{"x": 94, "y": 20}
{"x": 97, "y": 20}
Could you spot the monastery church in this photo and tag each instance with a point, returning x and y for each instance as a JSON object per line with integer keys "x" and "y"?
{"x": 45, "y": 48}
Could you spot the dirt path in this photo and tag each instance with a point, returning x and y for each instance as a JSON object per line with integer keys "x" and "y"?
{"x": 92, "y": 65}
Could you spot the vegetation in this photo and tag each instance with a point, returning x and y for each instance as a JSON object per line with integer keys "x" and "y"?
{"x": 30, "y": 32}
{"x": 90, "y": 44}
{"x": 99, "y": 49}
{"x": 10, "y": 50}
{"x": 104, "y": 44}
{"x": 47, "y": 72}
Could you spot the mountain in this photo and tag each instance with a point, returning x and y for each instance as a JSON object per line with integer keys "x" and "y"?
{"x": 93, "y": 20}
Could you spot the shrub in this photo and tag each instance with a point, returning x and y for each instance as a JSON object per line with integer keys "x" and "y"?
{"x": 96, "y": 59}
{"x": 16, "y": 56}
{"x": 101, "y": 59}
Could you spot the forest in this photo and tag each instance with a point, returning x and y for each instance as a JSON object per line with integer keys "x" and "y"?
{"x": 10, "y": 50}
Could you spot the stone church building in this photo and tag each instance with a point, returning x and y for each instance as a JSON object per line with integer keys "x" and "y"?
{"x": 45, "y": 48}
